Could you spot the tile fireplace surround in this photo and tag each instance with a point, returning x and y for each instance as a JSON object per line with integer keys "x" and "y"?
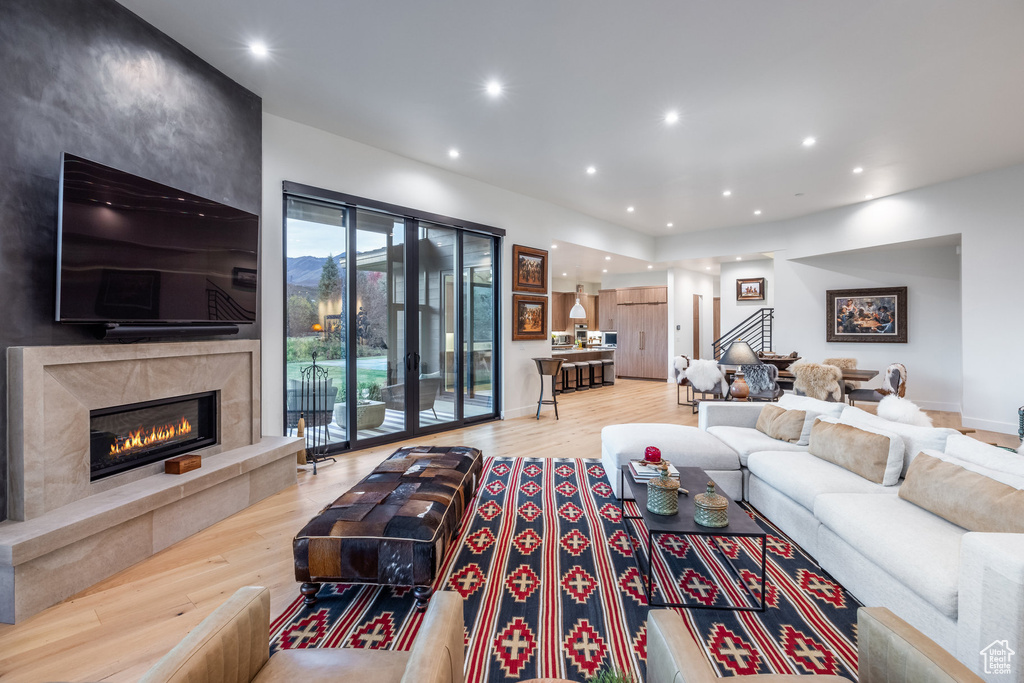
{"x": 64, "y": 533}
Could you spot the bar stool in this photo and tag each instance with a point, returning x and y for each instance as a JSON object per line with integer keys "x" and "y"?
{"x": 582, "y": 376}
{"x": 548, "y": 367}
{"x": 568, "y": 378}
{"x": 596, "y": 373}
{"x": 609, "y": 371}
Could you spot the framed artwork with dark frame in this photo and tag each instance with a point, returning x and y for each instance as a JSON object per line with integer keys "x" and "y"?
{"x": 874, "y": 315}
{"x": 529, "y": 269}
{"x": 529, "y": 317}
{"x": 750, "y": 289}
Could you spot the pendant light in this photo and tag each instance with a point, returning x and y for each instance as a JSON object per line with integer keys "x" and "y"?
{"x": 577, "y": 311}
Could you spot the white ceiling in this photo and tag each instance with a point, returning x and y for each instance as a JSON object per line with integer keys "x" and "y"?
{"x": 915, "y": 92}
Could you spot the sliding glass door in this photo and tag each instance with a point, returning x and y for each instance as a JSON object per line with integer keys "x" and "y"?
{"x": 399, "y": 309}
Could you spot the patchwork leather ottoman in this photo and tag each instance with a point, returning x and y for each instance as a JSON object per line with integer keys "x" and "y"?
{"x": 394, "y": 526}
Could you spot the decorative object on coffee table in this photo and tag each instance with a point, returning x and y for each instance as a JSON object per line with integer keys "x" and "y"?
{"x": 739, "y": 354}
{"x": 710, "y": 508}
{"x": 878, "y": 314}
{"x": 652, "y": 454}
{"x": 663, "y": 494}
{"x": 394, "y": 526}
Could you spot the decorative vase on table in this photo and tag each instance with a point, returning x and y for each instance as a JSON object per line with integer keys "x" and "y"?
{"x": 663, "y": 494}
{"x": 652, "y": 454}
{"x": 710, "y": 508}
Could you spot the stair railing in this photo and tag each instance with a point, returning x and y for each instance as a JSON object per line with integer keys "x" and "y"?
{"x": 756, "y": 330}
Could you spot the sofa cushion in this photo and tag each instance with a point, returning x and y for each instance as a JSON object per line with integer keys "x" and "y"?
{"x": 872, "y": 453}
{"x": 746, "y": 440}
{"x": 813, "y": 408}
{"x": 980, "y": 453}
{"x": 915, "y": 439}
{"x": 963, "y": 497}
{"x": 802, "y": 477}
{"x": 781, "y": 424}
{"x": 917, "y": 548}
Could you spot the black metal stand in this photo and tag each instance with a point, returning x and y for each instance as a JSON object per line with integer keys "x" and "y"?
{"x": 314, "y": 388}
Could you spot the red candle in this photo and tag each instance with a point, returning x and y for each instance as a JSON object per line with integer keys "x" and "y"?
{"x": 652, "y": 454}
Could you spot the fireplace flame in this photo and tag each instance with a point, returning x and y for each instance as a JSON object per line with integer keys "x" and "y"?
{"x": 140, "y": 438}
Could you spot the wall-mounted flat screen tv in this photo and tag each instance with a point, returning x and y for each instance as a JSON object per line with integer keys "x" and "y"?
{"x": 130, "y": 250}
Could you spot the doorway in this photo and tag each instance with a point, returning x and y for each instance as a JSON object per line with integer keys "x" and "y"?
{"x": 398, "y": 307}
{"x": 697, "y": 301}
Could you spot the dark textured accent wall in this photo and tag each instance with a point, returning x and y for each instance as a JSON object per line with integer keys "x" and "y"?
{"x": 91, "y": 78}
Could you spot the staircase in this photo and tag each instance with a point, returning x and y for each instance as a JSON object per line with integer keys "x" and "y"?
{"x": 756, "y": 330}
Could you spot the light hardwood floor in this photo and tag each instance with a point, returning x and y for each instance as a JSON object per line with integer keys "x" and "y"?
{"x": 117, "y": 629}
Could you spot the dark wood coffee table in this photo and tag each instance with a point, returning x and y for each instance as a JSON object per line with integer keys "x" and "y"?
{"x": 695, "y": 480}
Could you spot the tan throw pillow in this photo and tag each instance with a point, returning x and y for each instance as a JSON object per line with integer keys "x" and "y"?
{"x": 864, "y": 453}
{"x": 781, "y": 424}
{"x": 965, "y": 498}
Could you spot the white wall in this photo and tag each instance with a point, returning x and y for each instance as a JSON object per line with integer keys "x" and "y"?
{"x": 303, "y": 154}
{"x": 986, "y": 209}
{"x": 646, "y": 278}
{"x": 932, "y": 277}
{"x": 686, "y": 283}
{"x": 734, "y": 312}
{"x": 567, "y": 284}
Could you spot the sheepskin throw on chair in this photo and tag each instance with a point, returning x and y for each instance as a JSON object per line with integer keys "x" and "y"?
{"x": 823, "y": 382}
{"x": 758, "y": 377}
{"x": 705, "y": 375}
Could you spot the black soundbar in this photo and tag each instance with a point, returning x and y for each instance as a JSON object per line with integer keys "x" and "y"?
{"x": 117, "y": 331}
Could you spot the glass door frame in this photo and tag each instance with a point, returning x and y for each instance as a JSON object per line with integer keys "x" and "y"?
{"x": 412, "y": 360}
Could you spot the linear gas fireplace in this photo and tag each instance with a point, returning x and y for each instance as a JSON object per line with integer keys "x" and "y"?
{"x": 130, "y": 436}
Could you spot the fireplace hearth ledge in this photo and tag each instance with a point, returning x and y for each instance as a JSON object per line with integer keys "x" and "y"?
{"x": 53, "y": 556}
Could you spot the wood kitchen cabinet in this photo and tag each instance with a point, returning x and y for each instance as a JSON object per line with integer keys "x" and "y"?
{"x": 560, "y": 305}
{"x": 607, "y": 304}
{"x": 643, "y": 333}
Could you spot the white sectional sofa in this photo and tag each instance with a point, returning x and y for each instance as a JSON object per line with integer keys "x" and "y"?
{"x": 964, "y": 589}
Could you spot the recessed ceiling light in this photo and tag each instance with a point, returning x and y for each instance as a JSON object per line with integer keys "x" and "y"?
{"x": 757, "y": 212}
{"x": 858, "y": 170}
{"x": 554, "y": 246}
{"x": 668, "y": 225}
{"x": 493, "y": 88}
{"x": 259, "y": 49}
{"x": 630, "y": 209}
{"x": 565, "y": 274}
{"x": 739, "y": 258}
{"x": 809, "y": 142}
{"x": 605, "y": 270}
{"x": 650, "y": 267}
{"x": 672, "y": 117}
{"x": 453, "y": 153}
{"x": 727, "y": 193}
{"x": 707, "y": 267}
{"x": 869, "y": 196}
{"x": 607, "y": 258}
{"x": 591, "y": 170}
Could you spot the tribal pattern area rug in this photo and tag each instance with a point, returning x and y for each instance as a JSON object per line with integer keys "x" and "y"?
{"x": 551, "y": 589}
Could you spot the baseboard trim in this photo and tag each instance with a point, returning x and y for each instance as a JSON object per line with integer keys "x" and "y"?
{"x": 990, "y": 425}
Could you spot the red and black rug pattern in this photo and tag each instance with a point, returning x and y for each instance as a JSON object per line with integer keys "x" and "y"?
{"x": 551, "y": 589}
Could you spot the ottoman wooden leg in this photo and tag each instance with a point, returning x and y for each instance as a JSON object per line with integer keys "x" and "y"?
{"x": 422, "y": 595}
{"x": 308, "y": 591}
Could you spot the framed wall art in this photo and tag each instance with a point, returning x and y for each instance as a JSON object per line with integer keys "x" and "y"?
{"x": 866, "y": 315}
{"x": 750, "y": 289}
{"x": 529, "y": 317}
{"x": 529, "y": 270}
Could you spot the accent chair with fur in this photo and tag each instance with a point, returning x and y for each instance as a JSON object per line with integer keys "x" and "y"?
{"x": 823, "y": 382}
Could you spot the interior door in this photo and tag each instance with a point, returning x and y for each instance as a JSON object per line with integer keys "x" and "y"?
{"x": 655, "y": 339}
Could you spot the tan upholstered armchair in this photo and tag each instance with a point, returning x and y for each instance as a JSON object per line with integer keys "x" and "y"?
{"x": 889, "y": 651}
{"x": 233, "y": 644}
